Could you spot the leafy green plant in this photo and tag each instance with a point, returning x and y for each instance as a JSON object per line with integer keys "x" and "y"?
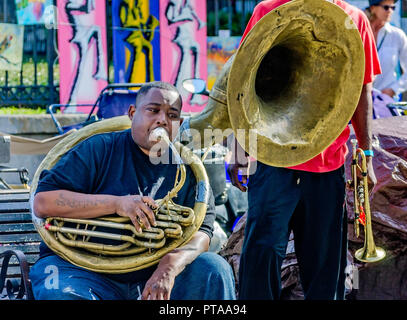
{"x": 28, "y": 68}
{"x": 237, "y": 23}
{"x": 17, "y": 110}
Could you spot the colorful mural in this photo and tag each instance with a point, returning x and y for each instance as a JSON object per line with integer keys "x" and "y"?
{"x": 220, "y": 49}
{"x": 136, "y": 41}
{"x": 183, "y": 35}
{"x": 31, "y": 11}
{"x": 11, "y": 46}
{"x": 82, "y": 51}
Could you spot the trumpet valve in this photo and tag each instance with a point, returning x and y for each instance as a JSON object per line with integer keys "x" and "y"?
{"x": 361, "y": 194}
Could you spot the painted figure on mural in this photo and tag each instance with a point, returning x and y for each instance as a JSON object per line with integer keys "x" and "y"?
{"x": 11, "y": 46}
{"x": 132, "y": 15}
{"x": 4, "y": 45}
{"x": 182, "y": 13}
{"x": 78, "y": 13}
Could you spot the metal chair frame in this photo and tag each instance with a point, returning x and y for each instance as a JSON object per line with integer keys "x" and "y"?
{"x": 109, "y": 89}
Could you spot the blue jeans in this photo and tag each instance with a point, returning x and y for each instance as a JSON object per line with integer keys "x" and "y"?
{"x": 208, "y": 277}
{"x": 310, "y": 204}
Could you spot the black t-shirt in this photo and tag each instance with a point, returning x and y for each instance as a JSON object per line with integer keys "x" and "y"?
{"x": 112, "y": 163}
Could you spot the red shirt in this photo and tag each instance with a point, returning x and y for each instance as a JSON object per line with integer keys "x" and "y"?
{"x": 333, "y": 157}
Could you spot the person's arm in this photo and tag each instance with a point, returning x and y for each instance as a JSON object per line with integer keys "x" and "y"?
{"x": 201, "y": 23}
{"x": 160, "y": 284}
{"x": 173, "y": 18}
{"x": 362, "y": 125}
{"x": 64, "y": 203}
{"x": 239, "y": 161}
{"x": 400, "y": 85}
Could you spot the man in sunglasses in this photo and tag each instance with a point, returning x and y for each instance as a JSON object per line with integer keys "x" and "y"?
{"x": 391, "y": 45}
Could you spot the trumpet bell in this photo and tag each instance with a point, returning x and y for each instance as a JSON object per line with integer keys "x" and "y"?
{"x": 375, "y": 255}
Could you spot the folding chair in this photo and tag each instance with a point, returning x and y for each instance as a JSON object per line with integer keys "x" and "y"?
{"x": 5, "y": 158}
{"x": 114, "y": 100}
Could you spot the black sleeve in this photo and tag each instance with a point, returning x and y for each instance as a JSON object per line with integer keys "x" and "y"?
{"x": 207, "y": 225}
{"x": 76, "y": 170}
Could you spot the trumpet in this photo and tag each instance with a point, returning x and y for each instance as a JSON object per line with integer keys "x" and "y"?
{"x": 370, "y": 252}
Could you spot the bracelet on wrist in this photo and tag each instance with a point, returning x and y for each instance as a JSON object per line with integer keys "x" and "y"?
{"x": 368, "y": 153}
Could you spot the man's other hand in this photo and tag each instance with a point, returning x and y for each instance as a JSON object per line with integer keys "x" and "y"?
{"x": 159, "y": 286}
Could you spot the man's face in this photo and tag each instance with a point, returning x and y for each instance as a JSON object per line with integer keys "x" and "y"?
{"x": 156, "y": 108}
{"x": 381, "y": 13}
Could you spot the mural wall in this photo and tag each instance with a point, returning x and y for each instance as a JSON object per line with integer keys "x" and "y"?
{"x": 183, "y": 35}
{"x": 220, "y": 49}
{"x": 11, "y": 46}
{"x": 136, "y": 40}
{"x": 152, "y": 40}
{"x": 32, "y": 11}
{"x": 82, "y": 50}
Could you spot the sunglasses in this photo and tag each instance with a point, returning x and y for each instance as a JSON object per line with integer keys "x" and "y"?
{"x": 386, "y": 7}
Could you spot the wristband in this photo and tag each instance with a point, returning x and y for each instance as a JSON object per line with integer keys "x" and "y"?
{"x": 368, "y": 153}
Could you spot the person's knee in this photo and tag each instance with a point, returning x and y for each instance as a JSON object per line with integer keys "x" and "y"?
{"x": 210, "y": 278}
{"x": 264, "y": 247}
{"x": 59, "y": 289}
{"x": 65, "y": 292}
{"x": 214, "y": 264}
{"x": 54, "y": 279}
{"x": 217, "y": 272}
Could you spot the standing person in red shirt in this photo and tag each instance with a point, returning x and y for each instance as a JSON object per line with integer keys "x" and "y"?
{"x": 308, "y": 198}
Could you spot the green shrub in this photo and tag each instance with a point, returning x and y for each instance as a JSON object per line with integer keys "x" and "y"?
{"x": 17, "y": 110}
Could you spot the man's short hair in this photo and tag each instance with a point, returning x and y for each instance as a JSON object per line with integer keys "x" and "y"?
{"x": 158, "y": 85}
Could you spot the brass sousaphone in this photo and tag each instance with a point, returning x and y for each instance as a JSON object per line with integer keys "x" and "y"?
{"x": 295, "y": 81}
{"x": 73, "y": 239}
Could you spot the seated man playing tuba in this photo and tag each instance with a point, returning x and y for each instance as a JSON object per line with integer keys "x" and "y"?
{"x": 112, "y": 173}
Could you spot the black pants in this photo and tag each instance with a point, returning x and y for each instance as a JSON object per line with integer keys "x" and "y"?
{"x": 310, "y": 204}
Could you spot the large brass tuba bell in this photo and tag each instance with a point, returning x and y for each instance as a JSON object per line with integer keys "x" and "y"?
{"x": 295, "y": 81}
